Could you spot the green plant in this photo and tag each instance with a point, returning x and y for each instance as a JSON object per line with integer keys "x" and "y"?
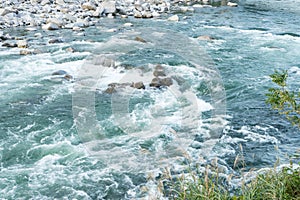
{"x": 273, "y": 184}
{"x": 206, "y": 186}
{"x": 281, "y": 185}
{"x": 283, "y": 100}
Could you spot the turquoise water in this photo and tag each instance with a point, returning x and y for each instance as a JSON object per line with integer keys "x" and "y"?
{"x": 43, "y": 155}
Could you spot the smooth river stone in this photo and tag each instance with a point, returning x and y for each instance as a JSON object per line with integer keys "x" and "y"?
{"x": 22, "y": 44}
{"x": 50, "y": 26}
{"x": 109, "y": 6}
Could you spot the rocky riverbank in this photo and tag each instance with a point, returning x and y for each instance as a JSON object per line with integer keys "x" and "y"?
{"x": 78, "y": 14}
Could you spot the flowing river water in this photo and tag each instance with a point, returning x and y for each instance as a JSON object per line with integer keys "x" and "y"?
{"x": 63, "y": 139}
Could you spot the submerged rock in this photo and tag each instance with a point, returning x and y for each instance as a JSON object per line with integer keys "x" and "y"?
{"x": 159, "y": 71}
{"x": 61, "y": 75}
{"x": 139, "y": 39}
{"x": 59, "y": 72}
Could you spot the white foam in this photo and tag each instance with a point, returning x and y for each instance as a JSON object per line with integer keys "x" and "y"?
{"x": 256, "y": 137}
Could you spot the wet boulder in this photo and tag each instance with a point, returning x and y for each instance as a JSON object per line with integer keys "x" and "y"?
{"x": 50, "y": 26}
{"x": 22, "y": 44}
{"x": 55, "y": 41}
{"x": 11, "y": 45}
{"x": 139, "y": 39}
{"x": 161, "y": 82}
{"x": 25, "y": 52}
{"x": 159, "y": 71}
{"x": 138, "y": 85}
{"x": 109, "y": 7}
{"x": 59, "y": 73}
{"x": 112, "y": 87}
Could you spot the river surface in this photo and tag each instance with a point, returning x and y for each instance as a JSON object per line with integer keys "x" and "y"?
{"x": 63, "y": 139}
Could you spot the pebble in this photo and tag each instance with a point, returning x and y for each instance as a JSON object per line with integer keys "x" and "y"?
{"x": 71, "y": 14}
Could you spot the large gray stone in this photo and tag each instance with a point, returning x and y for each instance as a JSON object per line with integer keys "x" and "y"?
{"x": 138, "y": 85}
{"x": 99, "y": 11}
{"x": 88, "y": 6}
{"x": 22, "y": 44}
{"x": 174, "y": 18}
{"x": 5, "y": 11}
{"x": 60, "y": 2}
{"x": 109, "y": 6}
{"x": 161, "y": 82}
{"x": 56, "y": 21}
{"x": 50, "y": 26}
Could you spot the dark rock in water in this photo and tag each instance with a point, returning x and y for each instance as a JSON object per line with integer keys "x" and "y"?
{"x": 112, "y": 87}
{"x": 11, "y": 45}
{"x": 3, "y": 37}
{"x": 139, "y": 39}
{"x": 138, "y": 85}
{"x": 59, "y": 73}
{"x": 155, "y": 82}
{"x": 55, "y": 41}
{"x": 110, "y": 90}
{"x": 161, "y": 82}
{"x": 159, "y": 71}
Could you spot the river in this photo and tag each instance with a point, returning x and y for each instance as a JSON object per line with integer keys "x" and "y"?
{"x": 63, "y": 139}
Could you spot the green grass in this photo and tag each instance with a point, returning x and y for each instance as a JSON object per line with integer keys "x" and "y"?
{"x": 270, "y": 185}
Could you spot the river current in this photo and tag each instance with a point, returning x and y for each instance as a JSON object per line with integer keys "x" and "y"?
{"x": 62, "y": 139}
